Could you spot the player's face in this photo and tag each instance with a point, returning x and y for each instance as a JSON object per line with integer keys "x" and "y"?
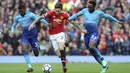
{"x": 91, "y": 7}
{"x": 58, "y": 10}
{"x": 22, "y": 11}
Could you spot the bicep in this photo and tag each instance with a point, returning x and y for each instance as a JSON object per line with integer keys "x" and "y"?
{"x": 80, "y": 13}
{"x": 110, "y": 17}
{"x": 44, "y": 21}
{"x": 105, "y": 15}
{"x": 34, "y": 16}
{"x": 76, "y": 15}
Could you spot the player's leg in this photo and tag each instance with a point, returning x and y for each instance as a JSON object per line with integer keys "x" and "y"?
{"x": 95, "y": 52}
{"x": 63, "y": 55}
{"x": 58, "y": 53}
{"x": 55, "y": 45}
{"x": 25, "y": 45}
{"x": 56, "y": 49}
{"x": 34, "y": 43}
{"x": 61, "y": 44}
{"x": 36, "y": 48}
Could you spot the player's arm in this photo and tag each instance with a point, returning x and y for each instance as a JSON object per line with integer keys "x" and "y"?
{"x": 41, "y": 18}
{"x": 76, "y": 15}
{"x": 35, "y": 21}
{"x": 37, "y": 18}
{"x": 69, "y": 20}
{"x": 78, "y": 27}
{"x": 110, "y": 17}
{"x": 73, "y": 17}
{"x": 75, "y": 25}
{"x": 14, "y": 25}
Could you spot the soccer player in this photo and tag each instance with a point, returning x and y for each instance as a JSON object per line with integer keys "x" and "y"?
{"x": 91, "y": 20}
{"x": 25, "y": 18}
{"x": 57, "y": 21}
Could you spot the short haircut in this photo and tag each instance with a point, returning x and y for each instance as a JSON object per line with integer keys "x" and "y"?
{"x": 22, "y": 6}
{"x": 58, "y": 5}
{"x": 93, "y": 2}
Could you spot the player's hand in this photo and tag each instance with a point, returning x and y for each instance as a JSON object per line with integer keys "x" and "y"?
{"x": 31, "y": 27}
{"x": 84, "y": 31}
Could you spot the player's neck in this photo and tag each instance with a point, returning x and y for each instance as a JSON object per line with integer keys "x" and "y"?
{"x": 23, "y": 14}
{"x": 58, "y": 14}
{"x": 91, "y": 11}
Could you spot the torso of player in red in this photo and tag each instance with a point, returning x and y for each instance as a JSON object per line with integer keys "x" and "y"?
{"x": 57, "y": 21}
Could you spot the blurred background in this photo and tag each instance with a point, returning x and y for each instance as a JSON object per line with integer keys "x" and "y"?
{"x": 114, "y": 38}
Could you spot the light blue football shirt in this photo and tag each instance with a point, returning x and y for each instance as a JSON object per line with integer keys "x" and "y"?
{"x": 91, "y": 20}
{"x": 25, "y": 21}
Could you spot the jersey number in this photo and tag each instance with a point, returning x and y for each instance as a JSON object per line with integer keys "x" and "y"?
{"x": 36, "y": 45}
{"x": 94, "y": 37}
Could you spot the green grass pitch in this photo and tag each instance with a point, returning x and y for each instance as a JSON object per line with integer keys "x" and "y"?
{"x": 72, "y": 68}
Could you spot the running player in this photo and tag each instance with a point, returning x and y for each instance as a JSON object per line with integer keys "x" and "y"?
{"x": 91, "y": 20}
{"x": 25, "y": 18}
{"x": 57, "y": 21}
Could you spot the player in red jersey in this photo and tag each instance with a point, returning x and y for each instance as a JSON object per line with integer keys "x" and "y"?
{"x": 57, "y": 21}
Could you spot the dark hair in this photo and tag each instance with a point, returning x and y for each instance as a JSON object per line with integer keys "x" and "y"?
{"x": 93, "y": 2}
{"x": 58, "y": 5}
{"x": 22, "y": 6}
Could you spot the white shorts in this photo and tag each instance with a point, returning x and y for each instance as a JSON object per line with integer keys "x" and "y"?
{"x": 56, "y": 38}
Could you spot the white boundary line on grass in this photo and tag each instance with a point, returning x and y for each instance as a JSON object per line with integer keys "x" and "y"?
{"x": 55, "y": 59}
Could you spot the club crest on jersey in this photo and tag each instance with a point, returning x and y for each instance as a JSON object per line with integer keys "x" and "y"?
{"x": 54, "y": 16}
{"x": 61, "y": 17}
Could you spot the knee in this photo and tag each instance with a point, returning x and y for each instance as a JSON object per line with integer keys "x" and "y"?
{"x": 92, "y": 45}
{"x": 61, "y": 46}
{"x": 36, "y": 53}
{"x": 58, "y": 53}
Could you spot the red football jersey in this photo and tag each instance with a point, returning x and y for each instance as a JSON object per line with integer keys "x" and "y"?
{"x": 58, "y": 21}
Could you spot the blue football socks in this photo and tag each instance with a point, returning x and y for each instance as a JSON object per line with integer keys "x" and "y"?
{"x": 27, "y": 59}
{"x": 97, "y": 55}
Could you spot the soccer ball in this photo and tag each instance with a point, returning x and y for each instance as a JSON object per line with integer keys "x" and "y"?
{"x": 46, "y": 68}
